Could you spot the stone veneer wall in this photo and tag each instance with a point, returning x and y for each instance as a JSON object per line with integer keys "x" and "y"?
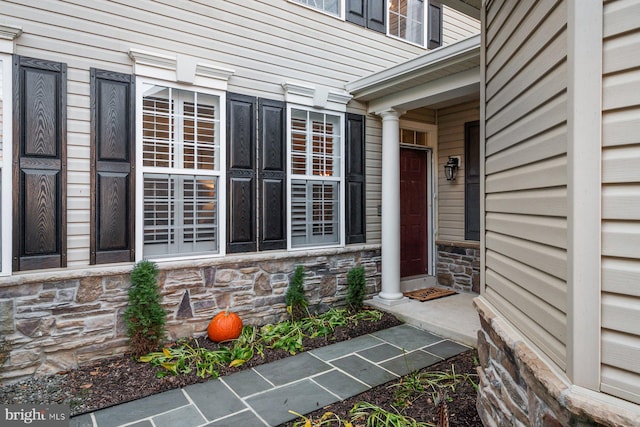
{"x": 58, "y": 320}
{"x": 518, "y": 388}
{"x": 459, "y": 265}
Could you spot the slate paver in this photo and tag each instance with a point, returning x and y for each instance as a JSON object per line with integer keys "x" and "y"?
{"x": 214, "y": 399}
{"x": 246, "y": 383}
{"x": 409, "y": 362}
{"x": 380, "y": 352}
{"x": 343, "y": 348}
{"x": 140, "y": 409}
{"x": 340, "y": 384}
{"x": 293, "y": 368}
{"x": 407, "y": 337}
{"x": 302, "y": 397}
{"x": 446, "y": 349}
{"x": 241, "y": 419}
{"x": 143, "y": 423}
{"x": 187, "y": 416}
{"x": 82, "y": 421}
{"x": 364, "y": 370}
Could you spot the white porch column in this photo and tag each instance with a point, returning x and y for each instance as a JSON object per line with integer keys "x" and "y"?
{"x": 390, "y": 293}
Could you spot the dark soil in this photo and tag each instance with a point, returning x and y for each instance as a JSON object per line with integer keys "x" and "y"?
{"x": 118, "y": 380}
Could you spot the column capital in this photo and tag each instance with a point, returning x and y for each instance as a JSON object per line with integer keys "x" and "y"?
{"x": 390, "y": 113}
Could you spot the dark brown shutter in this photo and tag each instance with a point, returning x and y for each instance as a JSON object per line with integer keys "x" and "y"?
{"x": 377, "y": 15}
{"x": 356, "y": 12}
{"x": 472, "y": 181}
{"x": 112, "y": 159}
{"x": 367, "y": 13}
{"x": 273, "y": 174}
{"x": 39, "y": 156}
{"x": 241, "y": 173}
{"x": 434, "y": 26}
{"x": 355, "y": 182}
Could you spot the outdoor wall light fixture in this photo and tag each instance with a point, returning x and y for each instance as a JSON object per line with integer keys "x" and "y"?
{"x": 451, "y": 168}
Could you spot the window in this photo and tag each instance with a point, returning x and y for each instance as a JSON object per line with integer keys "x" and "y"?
{"x": 406, "y": 20}
{"x": 181, "y": 171}
{"x": 328, "y": 6}
{"x": 316, "y": 177}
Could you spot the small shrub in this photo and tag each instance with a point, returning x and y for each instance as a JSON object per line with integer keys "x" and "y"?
{"x": 144, "y": 316}
{"x": 356, "y": 288}
{"x": 295, "y": 297}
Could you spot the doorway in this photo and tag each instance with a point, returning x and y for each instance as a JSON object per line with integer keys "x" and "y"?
{"x": 414, "y": 212}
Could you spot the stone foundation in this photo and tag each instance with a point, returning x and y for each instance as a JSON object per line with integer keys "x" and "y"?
{"x": 54, "y": 321}
{"x": 459, "y": 265}
{"x": 518, "y": 388}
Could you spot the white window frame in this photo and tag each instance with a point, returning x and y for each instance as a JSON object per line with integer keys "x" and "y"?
{"x": 6, "y": 211}
{"x": 425, "y": 16}
{"x": 219, "y": 173}
{"x": 341, "y": 8}
{"x": 340, "y": 180}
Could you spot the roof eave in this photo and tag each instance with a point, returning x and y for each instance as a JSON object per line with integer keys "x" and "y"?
{"x": 368, "y": 87}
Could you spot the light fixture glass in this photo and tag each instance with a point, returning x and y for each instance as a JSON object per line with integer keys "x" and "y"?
{"x": 451, "y": 168}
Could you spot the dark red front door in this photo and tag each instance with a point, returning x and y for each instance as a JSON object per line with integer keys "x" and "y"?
{"x": 413, "y": 212}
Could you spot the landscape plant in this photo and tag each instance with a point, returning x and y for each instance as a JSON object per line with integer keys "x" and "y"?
{"x": 295, "y": 298}
{"x": 144, "y": 316}
{"x": 356, "y": 288}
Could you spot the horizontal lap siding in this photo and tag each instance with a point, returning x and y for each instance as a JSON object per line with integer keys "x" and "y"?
{"x": 451, "y": 130}
{"x": 265, "y": 42}
{"x": 456, "y": 25}
{"x": 525, "y": 169}
{"x": 621, "y": 201}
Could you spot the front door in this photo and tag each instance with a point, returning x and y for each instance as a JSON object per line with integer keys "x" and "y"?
{"x": 413, "y": 213}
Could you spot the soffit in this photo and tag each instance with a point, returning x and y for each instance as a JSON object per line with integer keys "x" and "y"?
{"x": 431, "y": 66}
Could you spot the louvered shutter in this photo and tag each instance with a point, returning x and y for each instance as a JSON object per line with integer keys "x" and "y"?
{"x": 39, "y": 154}
{"x": 434, "y": 27}
{"x": 355, "y": 179}
{"x": 112, "y": 178}
{"x": 272, "y": 174}
{"x": 367, "y": 13}
{"x": 241, "y": 173}
{"x": 377, "y": 15}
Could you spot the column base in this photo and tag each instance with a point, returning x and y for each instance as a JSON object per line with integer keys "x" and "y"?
{"x": 390, "y": 302}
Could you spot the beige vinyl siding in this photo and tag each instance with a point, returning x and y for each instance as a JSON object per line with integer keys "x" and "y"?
{"x": 373, "y": 163}
{"x": 457, "y": 26}
{"x": 525, "y": 169}
{"x": 450, "y": 202}
{"x": 620, "y": 374}
{"x": 265, "y": 42}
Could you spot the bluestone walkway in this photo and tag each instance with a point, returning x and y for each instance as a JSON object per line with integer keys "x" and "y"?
{"x": 262, "y": 396}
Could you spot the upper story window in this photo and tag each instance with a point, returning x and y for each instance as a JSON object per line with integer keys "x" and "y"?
{"x": 316, "y": 177}
{"x": 415, "y": 21}
{"x": 181, "y": 171}
{"x": 329, "y": 6}
{"x": 406, "y": 20}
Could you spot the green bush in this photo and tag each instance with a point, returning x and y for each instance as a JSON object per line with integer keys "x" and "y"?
{"x": 295, "y": 297}
{"x": 356, "y": 288}
{"x": 144, "y": 316}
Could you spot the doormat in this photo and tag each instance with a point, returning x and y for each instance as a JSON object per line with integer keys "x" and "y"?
{"x": 427, "y": 294}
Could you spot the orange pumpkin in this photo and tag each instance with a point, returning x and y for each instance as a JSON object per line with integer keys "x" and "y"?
{"x": 224, "y": 326}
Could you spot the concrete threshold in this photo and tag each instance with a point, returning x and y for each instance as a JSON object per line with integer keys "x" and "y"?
{"x": 452, "y": 317}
